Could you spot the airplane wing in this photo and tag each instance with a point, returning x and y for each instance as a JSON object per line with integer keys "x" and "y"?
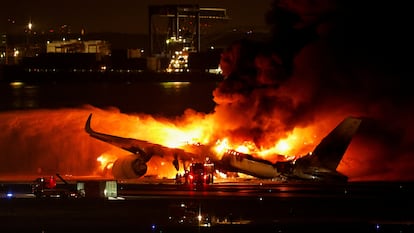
{"x": 139, "y": 147}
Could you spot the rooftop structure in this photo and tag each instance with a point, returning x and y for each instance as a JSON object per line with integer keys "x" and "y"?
{"x": 181, "y": 35}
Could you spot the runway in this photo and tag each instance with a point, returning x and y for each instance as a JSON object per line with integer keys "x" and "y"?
{"x": 220, "y": 207}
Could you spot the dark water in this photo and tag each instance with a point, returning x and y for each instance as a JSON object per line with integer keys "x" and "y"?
{"x": 155, "y": 98}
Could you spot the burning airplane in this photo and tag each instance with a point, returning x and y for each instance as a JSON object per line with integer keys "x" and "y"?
{"x": 318, "y": 165}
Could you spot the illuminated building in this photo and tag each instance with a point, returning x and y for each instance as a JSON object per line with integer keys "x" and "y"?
{"x": 181, "y": 37}
{"x": 3, "y": 49}
{"x": 79, "y": 46}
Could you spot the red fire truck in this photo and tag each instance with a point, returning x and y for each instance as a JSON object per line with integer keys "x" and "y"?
{"x": 46, "y": 187}
{"x": 200, "y": 173}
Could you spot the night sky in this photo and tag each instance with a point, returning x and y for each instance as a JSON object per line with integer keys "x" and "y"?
{"x": 116, "y": 16}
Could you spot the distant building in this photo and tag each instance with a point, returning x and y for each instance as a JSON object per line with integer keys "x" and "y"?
{"x": 181, "y": 36}
{"x": 8, "y": 55}
{"x": 3, "y": 48}
{"x": 134, "y": 53}
{"x": 78, "y": 46}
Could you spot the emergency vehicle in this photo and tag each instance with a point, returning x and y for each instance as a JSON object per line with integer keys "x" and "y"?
{"x": 47, "y": 187}
{"x": 200, "y": 173}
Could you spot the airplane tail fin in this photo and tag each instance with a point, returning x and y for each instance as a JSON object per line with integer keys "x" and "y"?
{"x": 329, "y": 152}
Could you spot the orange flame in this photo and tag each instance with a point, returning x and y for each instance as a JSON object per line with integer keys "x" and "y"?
{"x": 199, "y": 131}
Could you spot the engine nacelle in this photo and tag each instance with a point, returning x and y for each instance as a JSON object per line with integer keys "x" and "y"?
{"x": 129, "y": 167}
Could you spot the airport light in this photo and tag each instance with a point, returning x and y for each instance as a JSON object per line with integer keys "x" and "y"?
{"x": 199, "y": 215}
{"x": 30, "y": 25}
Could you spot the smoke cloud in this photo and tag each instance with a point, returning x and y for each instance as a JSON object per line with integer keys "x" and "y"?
{"x": 327, "y": 60}
{"x": 46, "y": 142}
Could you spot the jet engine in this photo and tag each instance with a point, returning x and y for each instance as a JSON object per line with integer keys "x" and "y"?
{"x": 129, "y": 167}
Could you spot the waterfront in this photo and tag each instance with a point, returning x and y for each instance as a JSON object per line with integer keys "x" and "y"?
{"x": 166, "y": 98}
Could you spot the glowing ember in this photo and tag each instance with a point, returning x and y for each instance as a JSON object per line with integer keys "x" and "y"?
{"x": 106, "y": 160}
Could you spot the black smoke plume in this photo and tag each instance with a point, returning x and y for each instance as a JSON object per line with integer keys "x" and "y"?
{"x": 327, "y": 60}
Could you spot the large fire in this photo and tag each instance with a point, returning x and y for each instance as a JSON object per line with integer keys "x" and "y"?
{"x": 60, "y": 144}
{"x": 201, "y": 129}
{"x": 196, "y": 132}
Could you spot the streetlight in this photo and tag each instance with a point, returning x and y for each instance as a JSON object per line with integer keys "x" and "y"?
{"x": 29, "y": 33}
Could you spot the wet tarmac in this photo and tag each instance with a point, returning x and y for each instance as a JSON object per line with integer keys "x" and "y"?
{"x": 221, "y": 207}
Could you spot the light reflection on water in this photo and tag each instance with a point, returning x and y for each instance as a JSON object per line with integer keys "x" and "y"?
{"x": 160, "y": 98}
{"x": 24, "y": 96}
{"x": 174, "y": 85}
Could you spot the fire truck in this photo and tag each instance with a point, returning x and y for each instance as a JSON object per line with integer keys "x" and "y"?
{"x": 47, "y": 187}
{"x": 200, "y": 173}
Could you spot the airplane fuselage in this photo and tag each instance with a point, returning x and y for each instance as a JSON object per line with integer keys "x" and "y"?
{"x": 249, "y": 165}
{"x": 298, "y": 169}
